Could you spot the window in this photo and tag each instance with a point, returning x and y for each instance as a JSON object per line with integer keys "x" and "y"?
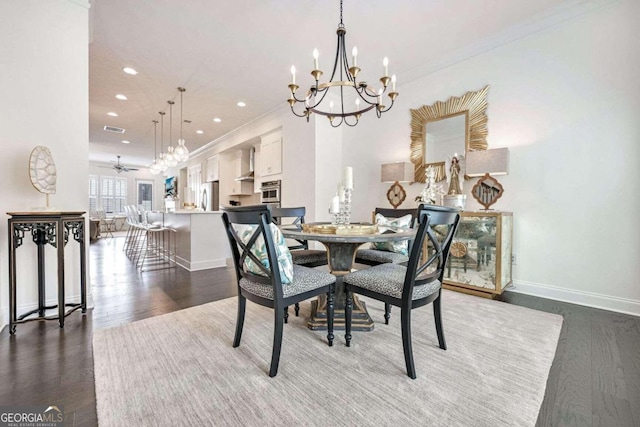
{"x": 93, "y": 193}
{"x": 107, "y": 193}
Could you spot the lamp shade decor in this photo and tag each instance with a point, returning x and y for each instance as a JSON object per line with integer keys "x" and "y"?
{"x": 493, "y": 162}
{"x": 486, "y": 164}
{"x": 342, "y": 85}
{"x": 396, "y": 173}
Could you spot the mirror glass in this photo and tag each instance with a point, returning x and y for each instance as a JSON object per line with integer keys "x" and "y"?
{"x": 443, "y": 128}
{"x": 445, "y": 137}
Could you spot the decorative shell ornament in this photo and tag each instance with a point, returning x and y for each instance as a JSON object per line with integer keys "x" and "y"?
{"x": 42, "y": 171}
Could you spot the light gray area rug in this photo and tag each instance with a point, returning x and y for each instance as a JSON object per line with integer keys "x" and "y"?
{"x": 180, "y": 369}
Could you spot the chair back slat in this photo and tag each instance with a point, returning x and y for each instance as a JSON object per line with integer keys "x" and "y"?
{"x": 419, "y": 273}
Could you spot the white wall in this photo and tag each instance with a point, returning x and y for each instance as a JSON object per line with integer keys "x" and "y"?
{"x": 43, "y": 57}
{"x": 566, "y": 101}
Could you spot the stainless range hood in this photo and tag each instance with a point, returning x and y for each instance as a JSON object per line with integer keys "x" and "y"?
{"x": 248, "y": 176}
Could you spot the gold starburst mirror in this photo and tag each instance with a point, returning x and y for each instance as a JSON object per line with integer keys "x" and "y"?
{"x": 456, "y": 125}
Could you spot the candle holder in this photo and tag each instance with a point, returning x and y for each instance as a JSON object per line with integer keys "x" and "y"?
{"x": 345, "y": 207}
{"x": 335, "y": 217}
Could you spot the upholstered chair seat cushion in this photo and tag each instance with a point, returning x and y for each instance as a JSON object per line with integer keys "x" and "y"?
{"x": 388, "y": 279}
{"x": 304, "y": 279}
{"x": 308, "y": 256}
{"x": 382, "y": 257}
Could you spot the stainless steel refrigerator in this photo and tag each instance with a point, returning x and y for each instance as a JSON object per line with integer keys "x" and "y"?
{"x": 210, "y": 198}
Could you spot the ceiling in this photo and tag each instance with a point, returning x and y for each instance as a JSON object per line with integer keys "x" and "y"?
{"x": 223, "y": 52}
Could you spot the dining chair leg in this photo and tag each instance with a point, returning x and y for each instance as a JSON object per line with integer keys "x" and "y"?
{"x": 330, "y": 311}
{"x": 286, "y": 314}
{"x": 297, "y": 309}
{"x": 405, "y": 320}
{"x": 437, "y": 314}
{"x": 277, "y": 341}
{"x": 348, "y": 308}
{"x": 387, "y": 313}
{"x": 242, "y": 304}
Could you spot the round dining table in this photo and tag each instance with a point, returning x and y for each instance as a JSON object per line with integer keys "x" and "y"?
{"x": 341, "y": 254}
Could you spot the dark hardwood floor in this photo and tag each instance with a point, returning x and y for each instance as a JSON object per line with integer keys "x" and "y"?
{"x": 594, "y": 379}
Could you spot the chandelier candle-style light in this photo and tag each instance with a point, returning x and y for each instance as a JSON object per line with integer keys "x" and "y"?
{"x": 343, "y": 79}
{"x": 170, "y": 157}
{"x": 181, "y": 152}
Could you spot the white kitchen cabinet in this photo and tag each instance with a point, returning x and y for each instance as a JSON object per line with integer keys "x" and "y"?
{"x": 213, "y": 169}
{"x": 271, "y": 155}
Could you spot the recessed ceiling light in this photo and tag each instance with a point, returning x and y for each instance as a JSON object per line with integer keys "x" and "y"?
{"x": 199, "y": 131}
{"x": 112, "y": 114}
{"x": 130, "y": 70}
{"x": 217, "y": 119}
{"x": 124, "y": 141}
{"x": 121, "y": 96}
{"x": 241, "y": 104}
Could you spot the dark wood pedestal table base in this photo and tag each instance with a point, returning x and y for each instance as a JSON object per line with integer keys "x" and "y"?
{"x": 341, "y": 254}
{"x": 46, "y": 228}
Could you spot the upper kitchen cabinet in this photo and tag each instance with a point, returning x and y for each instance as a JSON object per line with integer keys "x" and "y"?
{"x": 271, "y": 154}
{"x": 213, "y": 169}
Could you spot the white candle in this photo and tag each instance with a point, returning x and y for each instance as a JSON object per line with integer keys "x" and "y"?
{"x": 316, "y": 54}
{"x": 335, "y": 205}
{"x": 393, "y": 83}
{"x": 354, "y": 52}
{"x": 341, "y": 192}
{"x": 331, "y": 107}
{"x": 348, "y": 178}
{"x": 357, "y": 104}
{"x": 293, "y": 74}
{"x": 385, "y": 62}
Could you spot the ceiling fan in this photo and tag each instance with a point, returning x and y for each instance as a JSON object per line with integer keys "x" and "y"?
{"x": 119, "y": 167}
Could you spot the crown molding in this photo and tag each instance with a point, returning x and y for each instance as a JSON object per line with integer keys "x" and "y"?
{"x": 564, "y": 12}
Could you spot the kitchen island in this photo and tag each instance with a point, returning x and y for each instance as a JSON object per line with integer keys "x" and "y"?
{"x": 201, "y": 241}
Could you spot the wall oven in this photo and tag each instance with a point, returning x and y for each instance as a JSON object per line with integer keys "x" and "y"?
{"x": 270, "y": 192}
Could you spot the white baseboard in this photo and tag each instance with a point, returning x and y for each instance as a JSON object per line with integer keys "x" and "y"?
{"x": 589, "y": 299}
{"x": 201, "y": 265}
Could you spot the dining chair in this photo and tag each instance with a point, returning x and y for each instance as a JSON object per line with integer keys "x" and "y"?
{"x": 300, "y": 252}
{"x": 374, "y": 256}
{"x": 412, "y": 286}
{"x": 267, "y": 276}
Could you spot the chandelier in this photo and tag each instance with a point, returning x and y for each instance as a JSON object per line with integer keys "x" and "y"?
{"x": 162, "y": 164}
{"x": 343, "y": 79}
{"x": 181, "y": 152}
{"x": 170, "y": 157}
{"x": 155, "y": 168}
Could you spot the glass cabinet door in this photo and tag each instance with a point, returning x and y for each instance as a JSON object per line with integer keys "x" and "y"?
{"x": 480, "y": 255}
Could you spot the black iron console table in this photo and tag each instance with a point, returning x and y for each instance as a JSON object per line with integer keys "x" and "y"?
{"x": 50, "y": 228}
